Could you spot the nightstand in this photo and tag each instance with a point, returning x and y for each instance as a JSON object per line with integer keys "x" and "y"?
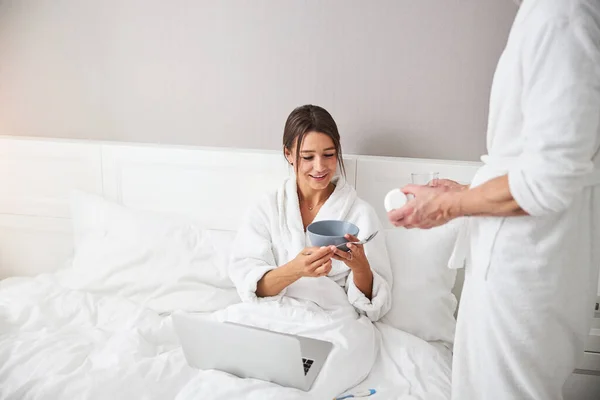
{"x": 584, "y": 384}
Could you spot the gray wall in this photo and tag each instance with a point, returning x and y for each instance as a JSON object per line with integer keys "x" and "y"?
{"x": 401, "y": 77}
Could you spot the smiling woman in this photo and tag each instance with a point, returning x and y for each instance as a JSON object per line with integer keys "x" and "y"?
{"x": 311, "y": 144}
{"x": 279, "y": 274}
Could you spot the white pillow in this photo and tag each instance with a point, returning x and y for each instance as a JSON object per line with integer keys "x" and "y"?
{"x": 423, "y": 302}
{"x": 165, "y": 263}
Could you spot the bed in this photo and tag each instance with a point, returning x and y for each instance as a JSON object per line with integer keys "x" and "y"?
{"x": 101, "y": 242}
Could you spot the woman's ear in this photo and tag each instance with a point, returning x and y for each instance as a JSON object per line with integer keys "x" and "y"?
{"x": 289, "y": 156}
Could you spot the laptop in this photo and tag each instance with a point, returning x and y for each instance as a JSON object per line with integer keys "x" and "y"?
{"x": 249, "y": 352}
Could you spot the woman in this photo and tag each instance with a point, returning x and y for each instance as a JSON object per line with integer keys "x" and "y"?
{"x": 273, "y": 252}
{"x": 325, "y": 293}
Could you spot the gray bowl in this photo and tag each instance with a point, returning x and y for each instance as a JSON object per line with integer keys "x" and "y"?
{"x": 330, "y": 233}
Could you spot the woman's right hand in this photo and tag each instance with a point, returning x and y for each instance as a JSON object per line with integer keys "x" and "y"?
{"x": 314, "y": 261}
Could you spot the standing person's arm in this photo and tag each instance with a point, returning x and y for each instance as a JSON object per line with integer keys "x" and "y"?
{"x": 435, "y": 206}
{"x": 561, "y": 112}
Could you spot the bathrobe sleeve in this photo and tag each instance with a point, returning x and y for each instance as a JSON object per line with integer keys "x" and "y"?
{"x": 366, "y": 219}
{"x": 252, "y": 255}
{"x": 561, "y": 111}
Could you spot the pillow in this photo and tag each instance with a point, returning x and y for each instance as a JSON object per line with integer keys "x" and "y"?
{"x": 163, "y": 262}
{"x": 423, "y": 302}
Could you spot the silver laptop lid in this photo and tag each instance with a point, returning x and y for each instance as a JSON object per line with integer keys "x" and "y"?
{"x": 314, "y": 353}
{"x": 240, "y": 350}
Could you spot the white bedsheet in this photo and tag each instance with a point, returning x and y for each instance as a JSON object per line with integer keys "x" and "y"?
{"x": 59, "y": 343}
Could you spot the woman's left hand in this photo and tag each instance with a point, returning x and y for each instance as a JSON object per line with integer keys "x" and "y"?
{"x": 356, "y": 258}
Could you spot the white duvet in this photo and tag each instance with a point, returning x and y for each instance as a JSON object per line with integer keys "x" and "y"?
{"x": 57, "y": 342}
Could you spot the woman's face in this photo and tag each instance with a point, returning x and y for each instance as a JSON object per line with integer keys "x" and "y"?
{"x": 317, "y": 161}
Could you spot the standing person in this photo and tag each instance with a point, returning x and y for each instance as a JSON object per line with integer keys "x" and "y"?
{"x": 534, "y": 211}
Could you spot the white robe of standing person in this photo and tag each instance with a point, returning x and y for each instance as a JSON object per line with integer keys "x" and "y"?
{"x": 533, "y": 227}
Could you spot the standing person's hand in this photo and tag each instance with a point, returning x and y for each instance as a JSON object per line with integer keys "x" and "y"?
{"x": 427, "y": 209}
{"x": 450, "y": 185}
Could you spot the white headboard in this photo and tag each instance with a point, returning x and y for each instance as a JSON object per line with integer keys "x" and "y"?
{"x": 212, "y": 185}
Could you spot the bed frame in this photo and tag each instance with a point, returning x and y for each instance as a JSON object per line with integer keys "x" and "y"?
{"x": 37, "y": 175}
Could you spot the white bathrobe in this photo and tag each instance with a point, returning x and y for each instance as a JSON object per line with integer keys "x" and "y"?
{"x": 330, "y": 308}
{"x": 527, "y": 302}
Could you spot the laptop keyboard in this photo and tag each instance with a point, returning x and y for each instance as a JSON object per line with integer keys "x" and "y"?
{"x": 307, "y": 362}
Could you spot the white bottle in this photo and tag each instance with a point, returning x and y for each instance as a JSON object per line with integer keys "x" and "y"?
{"x": 394, "y": 199}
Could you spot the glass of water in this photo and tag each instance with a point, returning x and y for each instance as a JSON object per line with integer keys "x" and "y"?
{"x": 425, "y": 178}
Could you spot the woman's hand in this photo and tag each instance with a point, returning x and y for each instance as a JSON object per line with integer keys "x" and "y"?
{"x": 313, "y": 261}
{"x": 356, "y": 258}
